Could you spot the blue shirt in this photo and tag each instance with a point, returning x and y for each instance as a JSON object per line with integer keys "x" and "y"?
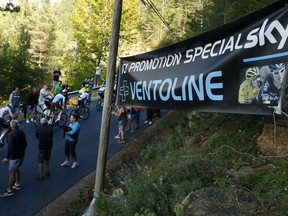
{"x": 75, "y": 126}
{"x": 84, "y": 96}
{"x": 58, "y": 98}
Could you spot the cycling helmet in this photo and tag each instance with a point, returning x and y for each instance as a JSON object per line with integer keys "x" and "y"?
{"x": 252, "y": 73}
{"x": 86, "y": 85}
{"x": 276, "y": 68}
{"x": 64, "y": 91}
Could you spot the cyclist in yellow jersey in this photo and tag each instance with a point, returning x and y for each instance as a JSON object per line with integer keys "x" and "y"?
{"x": 250, "y": 86}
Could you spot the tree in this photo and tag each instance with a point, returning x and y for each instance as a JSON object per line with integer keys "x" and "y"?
{"x": 92, "y": 23}
{"x": 42, "y": 31}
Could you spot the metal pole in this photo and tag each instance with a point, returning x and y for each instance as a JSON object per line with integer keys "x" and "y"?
{"x": 106, "y": 115}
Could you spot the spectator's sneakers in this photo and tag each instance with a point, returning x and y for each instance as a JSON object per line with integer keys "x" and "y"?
{"x": 65, "y": 163}
{"x": 7, "y": 193}
{"x": 50, "y": 121}
{"x": 27, "y": 121}
{"x": 117, "y": 137}
{"x": 122, "y": 141}
{"x": 74, "y": 165}
{"x": 32, "y": 120}
{"x": 145, "y": 122}
{"x": 150, "y": 122}
{"x": 16, "y": 187}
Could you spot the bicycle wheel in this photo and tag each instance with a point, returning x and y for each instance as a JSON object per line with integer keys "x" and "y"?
{"x": 98, "y": 104}
{"x": 87, "y": 104}
{"x": 63, "y": 119}
{"x": 84, "y": 113}
{"x": 36, "y": 119}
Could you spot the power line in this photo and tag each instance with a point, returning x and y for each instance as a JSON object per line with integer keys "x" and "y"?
{"x": 157, "y": 12}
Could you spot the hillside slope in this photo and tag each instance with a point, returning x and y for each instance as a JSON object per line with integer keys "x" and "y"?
{"x": 201, "y": 164}
{"x": 191, "y": 163}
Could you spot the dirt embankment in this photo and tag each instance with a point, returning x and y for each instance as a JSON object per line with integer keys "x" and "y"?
{"x": 207, "y": 201}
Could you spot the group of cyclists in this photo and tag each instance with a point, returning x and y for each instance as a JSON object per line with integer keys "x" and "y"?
{"x": 47, "y": 103}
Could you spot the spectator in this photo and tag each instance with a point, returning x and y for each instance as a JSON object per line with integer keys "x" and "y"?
{"x": 4, "y": 124}
{"x": 31, "y": 104}
{"x": 97, "y": 75}
{"x": 122, "y": 121}
{"x": 45, "y": 136}
{"x": 149, "y": 113}
{"x": 56, "y": 76}
{"x": 137, "y": 117}
{"x": 44, "y": 92}
{"x": 58, "y": 88}
{"x": 90, "y": 82}
{"x": 66, "y": 86}
{"x": 131, "y": 116}
{"x": 14, "y": 101}
{"x": 72, "y": 134}
{"x": 15, "y": 155}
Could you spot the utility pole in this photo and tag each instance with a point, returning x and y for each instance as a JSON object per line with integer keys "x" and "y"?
{"x": 106, "y": 115}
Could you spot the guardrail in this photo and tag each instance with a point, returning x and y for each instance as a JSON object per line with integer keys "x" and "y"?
{"x": 75, "y": 94}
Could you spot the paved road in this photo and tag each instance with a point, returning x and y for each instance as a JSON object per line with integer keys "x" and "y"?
{"x": 35, "y": 195}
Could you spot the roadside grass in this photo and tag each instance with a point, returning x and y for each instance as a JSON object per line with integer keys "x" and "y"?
{"x": 199, "y": 151}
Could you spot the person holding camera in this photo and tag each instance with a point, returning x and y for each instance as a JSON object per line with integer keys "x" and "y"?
{"x": 72, "y": 133}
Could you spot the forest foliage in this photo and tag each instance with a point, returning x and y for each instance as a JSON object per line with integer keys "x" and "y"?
{"x": 75, "y": 34}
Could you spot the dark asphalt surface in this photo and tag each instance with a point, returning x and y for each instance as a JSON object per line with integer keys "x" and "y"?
{"x": 35, "y": 195}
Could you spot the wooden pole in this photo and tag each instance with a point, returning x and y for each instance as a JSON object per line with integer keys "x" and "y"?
{"x": 106, "y": 115}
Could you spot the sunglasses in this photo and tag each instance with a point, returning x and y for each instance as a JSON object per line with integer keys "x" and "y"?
{"x": 277, "y": 72}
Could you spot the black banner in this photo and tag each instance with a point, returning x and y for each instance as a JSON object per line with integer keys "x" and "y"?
{"x": 236, "y": 68}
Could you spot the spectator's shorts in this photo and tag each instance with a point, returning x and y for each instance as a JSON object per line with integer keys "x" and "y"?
{"x": 15, "y": 164}
{"x": 123, "y": 122}
{"x": 44, "y": 154}
{"x": 30, "y": 109}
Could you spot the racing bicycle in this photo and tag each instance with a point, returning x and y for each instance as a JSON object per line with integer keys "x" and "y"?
{"x": 54, "y": 115}
{"x": 83, "y": 112}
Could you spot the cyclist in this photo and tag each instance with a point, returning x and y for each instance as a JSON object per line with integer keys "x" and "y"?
{"x": 250, "y": 86}
{"x": 271, "y": 88}
{"x": 47, "y": 102}
{"x": 3, "y": 124}
{"x": 85, "y": 88}
{"x": 83, "y": 98}
{"x": 56, "y": 102}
